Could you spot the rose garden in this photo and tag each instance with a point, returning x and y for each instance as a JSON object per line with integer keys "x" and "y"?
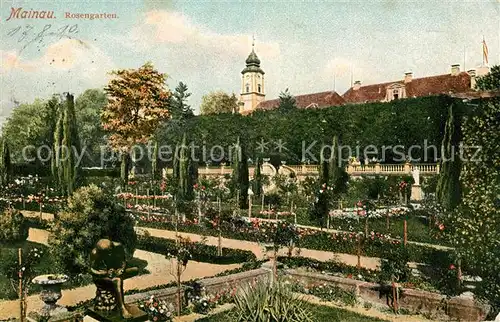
{"x": 242, "y": 237}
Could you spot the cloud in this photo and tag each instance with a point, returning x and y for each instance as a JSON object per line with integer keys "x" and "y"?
{"x": 63, "y": 55}
{"x": 165, "y": 27}
{"x": 66, "y": 65}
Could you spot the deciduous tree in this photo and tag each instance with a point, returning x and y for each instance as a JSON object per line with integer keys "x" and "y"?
{"x": 218, "y": 102}
{"x": 138, "y": 102}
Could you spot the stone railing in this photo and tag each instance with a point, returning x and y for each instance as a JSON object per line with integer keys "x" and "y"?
{"x": 355, "y": 170}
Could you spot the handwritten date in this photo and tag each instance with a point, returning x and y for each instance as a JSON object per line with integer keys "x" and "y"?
{"x": 28, "y": 35}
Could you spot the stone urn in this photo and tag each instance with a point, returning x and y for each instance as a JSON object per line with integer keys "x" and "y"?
{"x": 51, "y": 293}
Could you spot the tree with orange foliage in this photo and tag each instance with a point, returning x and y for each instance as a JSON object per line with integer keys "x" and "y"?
{"x": 137, "y": 105}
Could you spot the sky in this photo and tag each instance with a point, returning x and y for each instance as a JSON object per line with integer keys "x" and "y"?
{"x": 305, "y": 46}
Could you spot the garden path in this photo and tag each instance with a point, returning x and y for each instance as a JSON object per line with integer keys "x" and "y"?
{"x": 49, "y": 216}
{"x": 158, "y": 266}
{"x": 257, "y": 249}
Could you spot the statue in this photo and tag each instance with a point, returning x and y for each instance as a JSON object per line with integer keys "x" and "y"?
{"x": 416, "y": 176}
{"x": 108, "y": 269}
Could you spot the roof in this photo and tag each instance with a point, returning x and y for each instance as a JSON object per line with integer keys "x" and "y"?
{"x": 417, "y": 87}
{"x": 253, "y": 64}
{"x": 322, "y": 99}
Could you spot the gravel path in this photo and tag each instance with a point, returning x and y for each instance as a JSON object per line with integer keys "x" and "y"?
{"x": 368, "y": 262}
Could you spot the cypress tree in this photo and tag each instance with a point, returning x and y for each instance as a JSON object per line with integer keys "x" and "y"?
{"x": 154, "y": 162}
{"x": 124, "y": 167}
{"x": 175, "y": 164}
{"x": 236, "y": 158}
{"x": 71, "y": 147}
{"x": 56, "y": 167}
{"x": 257, "y": 178}
{"x": 5, "y": 164}
{"x": 192, "y": 178}
{"x": 319, "y": 210}
{"x": 243, "y": 180}
{"x": 337, "y": 175}
{"x": 240, "y": 174}
{"x": 183, "y": 170}
{"x": 448, "y": 189}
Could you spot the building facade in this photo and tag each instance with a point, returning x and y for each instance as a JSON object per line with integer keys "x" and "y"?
{"x": 456, "y": 82}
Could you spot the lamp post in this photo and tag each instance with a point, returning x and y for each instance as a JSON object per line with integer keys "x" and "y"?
{"x": 250, "y": 194}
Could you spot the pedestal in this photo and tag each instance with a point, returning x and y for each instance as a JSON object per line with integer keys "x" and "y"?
{"x": 416, "y": 192}
{"x": 114, "y": 316}
{"x": 51, "y": 293}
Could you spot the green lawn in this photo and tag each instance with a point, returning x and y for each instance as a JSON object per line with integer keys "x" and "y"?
{"x": 320, "y": 314}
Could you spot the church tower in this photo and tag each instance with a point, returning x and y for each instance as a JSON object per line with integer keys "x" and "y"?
{"x": 252, "y": 84}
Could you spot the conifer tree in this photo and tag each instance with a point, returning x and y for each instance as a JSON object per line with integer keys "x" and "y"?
{"x": 257, "y": 178}
{"x": 154, "y": 161}
{"x": 5, "y": 164}
{"x": 320, "y": 209}
{"x": 240, "y": 174}
{"x": 186, "y": 174}
{"x": 71, "y": 145}
{"x": 338, "y": 177}
{"x": 448, "y": 189}
{"x": 56, "y": 166}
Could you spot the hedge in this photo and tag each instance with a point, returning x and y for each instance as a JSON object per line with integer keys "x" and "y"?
{"x": 201, "y": 252}
{"x": 402, "y": 122}
{"x": 108, "y": 172}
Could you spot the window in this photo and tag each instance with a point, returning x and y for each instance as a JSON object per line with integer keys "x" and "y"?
{"x": 258, "y": 88}
{"x": 247, "y": 88}
{"x": 395, "y": 93}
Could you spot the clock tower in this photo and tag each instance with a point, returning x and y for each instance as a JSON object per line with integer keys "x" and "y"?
{"x": 252, "y": 84}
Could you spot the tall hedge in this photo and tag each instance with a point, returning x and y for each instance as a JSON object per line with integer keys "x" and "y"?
{"x": 401, "y": 122}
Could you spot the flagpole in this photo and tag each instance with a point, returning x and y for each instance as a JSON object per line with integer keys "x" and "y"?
{"x": 465, "y": 69}
{"x": 351, "y": 76}
{"x": 483, "y": 49}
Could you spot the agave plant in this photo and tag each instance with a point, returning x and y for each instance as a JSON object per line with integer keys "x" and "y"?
{"x": 264, "y": 301}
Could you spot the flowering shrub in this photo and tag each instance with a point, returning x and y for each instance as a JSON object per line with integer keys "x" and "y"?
{"x": 13, "y": 226}
{"x": 10, "y": 268}
{"x": 379, "y": 212}
{"x": 90, "y": 216}
{"x": 131, "y": 196}
{"x": 448, "y": 280}
{"x": 158, "y": 310}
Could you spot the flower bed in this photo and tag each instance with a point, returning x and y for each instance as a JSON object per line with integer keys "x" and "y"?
{"x": 381, "y": 212}
{"x": 199, "y": 251}
{"x": 377, "y": 245}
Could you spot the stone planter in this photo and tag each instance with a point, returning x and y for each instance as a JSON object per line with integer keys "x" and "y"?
{"x": 51, "y": 293}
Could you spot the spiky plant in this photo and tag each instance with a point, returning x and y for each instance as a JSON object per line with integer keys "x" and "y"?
{"x": 269, "y": 302}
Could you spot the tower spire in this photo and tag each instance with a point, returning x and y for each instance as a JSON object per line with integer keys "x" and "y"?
{"x": 253, "y": 41}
